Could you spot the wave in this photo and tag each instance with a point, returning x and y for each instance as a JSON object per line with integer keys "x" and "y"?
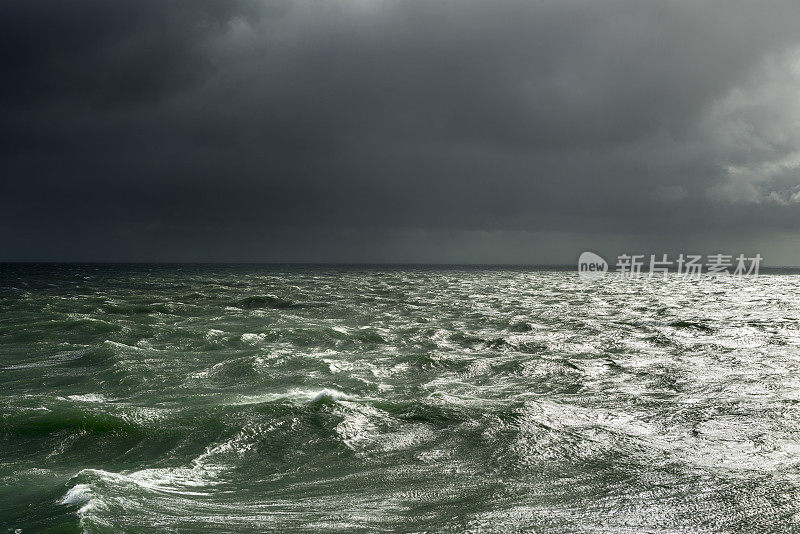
{"x": 48, "y": 422}
{"x": 694, "y": 325}
{"x": 296, "y": 397}
{"x": 167, "y": 308}
{"x": 74, "y": 358}
{"x": 265, "y": 301}
{"x": 103, "y": 498}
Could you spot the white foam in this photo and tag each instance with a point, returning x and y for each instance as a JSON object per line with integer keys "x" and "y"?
{"x": 326, "y": 394}
{"x": 79, "y": 494}
{"x": 252, "y": 339}
{"x": 297, "y": 396}
{"x": 89, "y": 397}
{"x": 214, "y": 334}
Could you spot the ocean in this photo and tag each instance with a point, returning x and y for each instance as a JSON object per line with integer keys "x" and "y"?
{"x": 276, "y": 398}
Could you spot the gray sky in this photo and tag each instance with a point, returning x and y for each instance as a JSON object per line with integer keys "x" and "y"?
{"x": 398, "y": 131}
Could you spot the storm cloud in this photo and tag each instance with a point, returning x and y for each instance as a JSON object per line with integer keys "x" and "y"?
{"x": 394, "y": 130}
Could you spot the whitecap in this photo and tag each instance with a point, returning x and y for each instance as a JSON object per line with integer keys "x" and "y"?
{"x": 89, "y": 397}
{"x": 252, "y": 339}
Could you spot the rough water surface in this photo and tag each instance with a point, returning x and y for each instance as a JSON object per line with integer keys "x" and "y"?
{"x": 374, "y": 399}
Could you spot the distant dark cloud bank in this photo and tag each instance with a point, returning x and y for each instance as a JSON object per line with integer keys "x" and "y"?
{"x": 412, "y": 131}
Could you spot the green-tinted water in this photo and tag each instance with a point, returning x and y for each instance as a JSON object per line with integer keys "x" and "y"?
{"x": 211, "y": 398}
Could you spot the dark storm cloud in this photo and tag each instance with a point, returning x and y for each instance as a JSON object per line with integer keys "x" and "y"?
{"x": 134, "y": 128}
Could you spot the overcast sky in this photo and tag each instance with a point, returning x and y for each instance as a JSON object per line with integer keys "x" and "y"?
{"x": 488, "y": 131}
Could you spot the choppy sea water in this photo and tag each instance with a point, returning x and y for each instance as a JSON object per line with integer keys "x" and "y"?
{"x": 368, "y": 399}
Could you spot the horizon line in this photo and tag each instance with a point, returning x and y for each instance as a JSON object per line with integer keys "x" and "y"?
{"x": 571, "y": 266}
